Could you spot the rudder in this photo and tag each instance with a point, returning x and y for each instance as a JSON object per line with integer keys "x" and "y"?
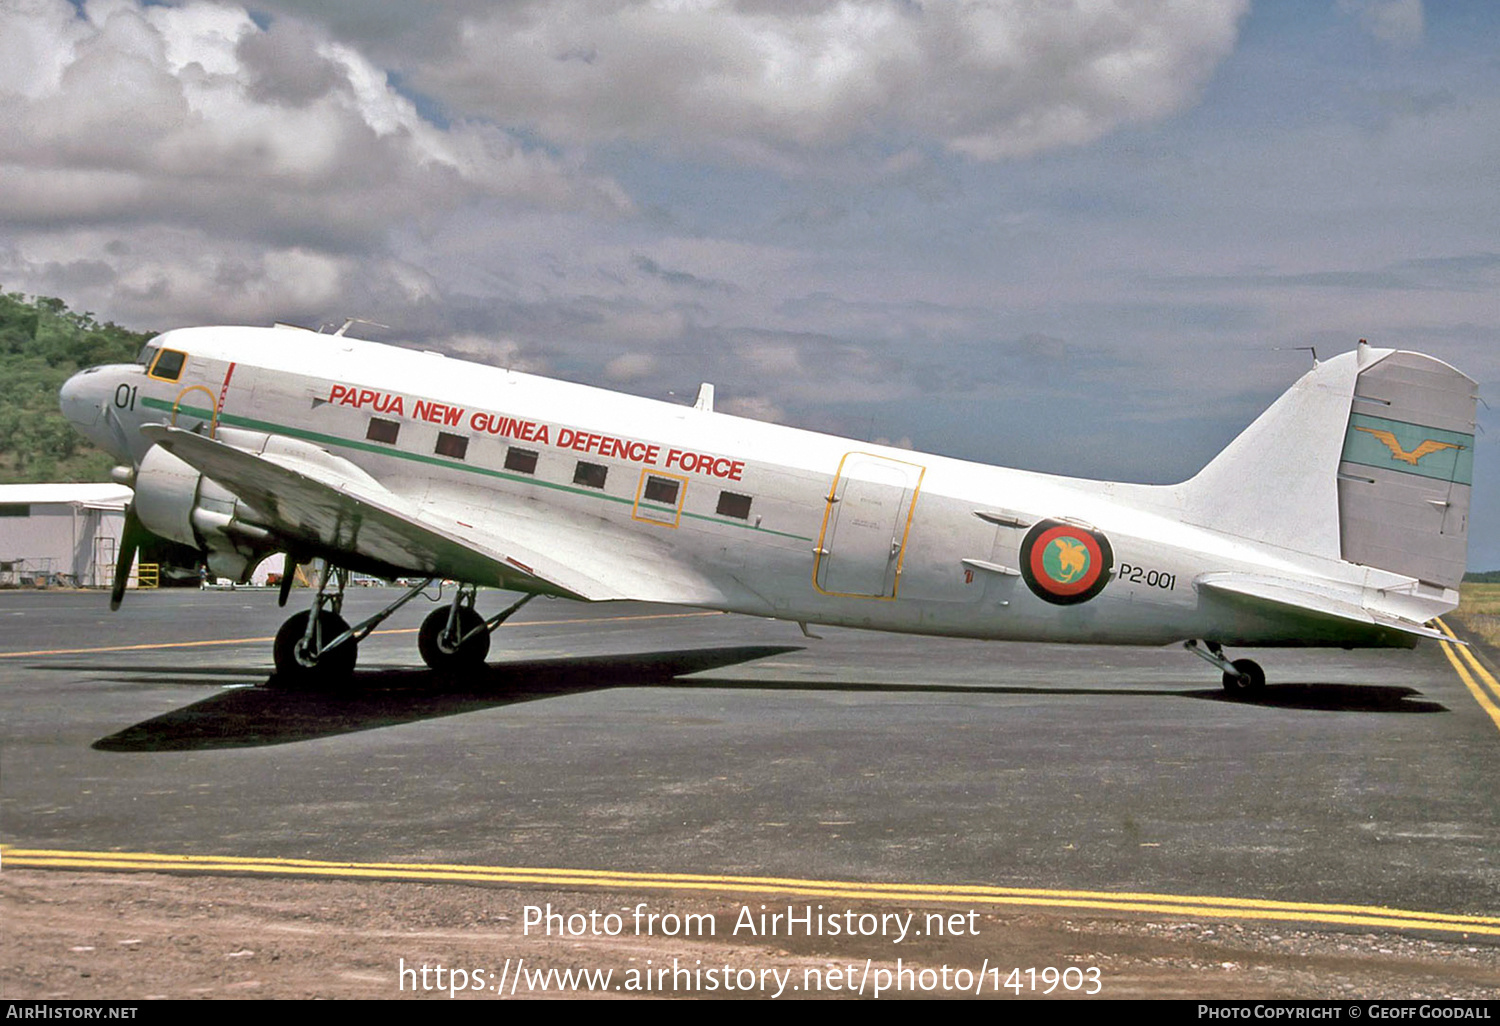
{"x": 1407, "y": 467}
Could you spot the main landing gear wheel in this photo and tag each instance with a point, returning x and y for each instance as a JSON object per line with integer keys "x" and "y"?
{"x": 438, "y": 646}
{"x": 1242, "y": 677}
{"x": 297, "y": 664}
{"x": 1247, "y": 677}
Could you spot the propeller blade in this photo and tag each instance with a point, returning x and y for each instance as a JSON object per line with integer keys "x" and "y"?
{"x": 288, "y": 572}
{"x": 117, "y": 431}
{"x": 130, "y": 540}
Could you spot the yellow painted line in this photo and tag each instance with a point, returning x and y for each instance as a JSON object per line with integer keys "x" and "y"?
{"x": 154, "y": 645}
{"x": 732, "y": 886}
{"x": 395, "y": 630}
{"x": 1475, "y": 687}
{"x": 1479, "y": 696}
{"x": 1480, "y": 670}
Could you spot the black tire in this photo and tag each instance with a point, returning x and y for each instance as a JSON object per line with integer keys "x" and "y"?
{"x": 440, "y": 655}
{"x": 1248, "y": 677}
{"x": 294, "y": 667}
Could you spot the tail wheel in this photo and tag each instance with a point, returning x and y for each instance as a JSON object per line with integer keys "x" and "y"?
{"x": 1247, "y": 677}
{"x": 438, "y": 648}
{"x": 297, "y": 664}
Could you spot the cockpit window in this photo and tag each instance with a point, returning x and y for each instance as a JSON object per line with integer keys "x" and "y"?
{"x": 144, "y": 357}
{"x": 168, "y": 365}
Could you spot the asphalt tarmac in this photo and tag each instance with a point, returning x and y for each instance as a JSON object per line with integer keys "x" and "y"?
{"x": 660, "y": 740}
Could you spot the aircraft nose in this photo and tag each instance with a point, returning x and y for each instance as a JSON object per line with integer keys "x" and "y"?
{"x": 79, "y": 400}
{"x": 72, "y": 400}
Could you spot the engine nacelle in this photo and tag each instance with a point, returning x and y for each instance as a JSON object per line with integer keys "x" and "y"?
{"x": 174, "y": 500}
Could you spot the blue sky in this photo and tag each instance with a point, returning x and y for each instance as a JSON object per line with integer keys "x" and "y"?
{"x": 1080, "y": 237}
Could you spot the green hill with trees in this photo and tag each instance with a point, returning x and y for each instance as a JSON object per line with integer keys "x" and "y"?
{"x": 42, "y": 343}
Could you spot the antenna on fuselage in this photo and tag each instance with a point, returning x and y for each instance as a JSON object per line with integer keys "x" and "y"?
{"x": 1305, "y": 349}
{"x": 351, "y": 321}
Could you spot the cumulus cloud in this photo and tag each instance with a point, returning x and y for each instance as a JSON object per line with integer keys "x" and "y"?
{"x": 256, "y": 142}
{"x": 197, "y": 116}
{"x": 496, "y": 352}
{"x": 191, "y": 277}
{"x": 755, "y": 407}
{"x": 982, "y": 78}
{"x": 630, "y": 367}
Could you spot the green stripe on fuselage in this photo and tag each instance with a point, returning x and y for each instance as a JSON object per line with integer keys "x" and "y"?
{"x": 250, "y": 423}
{"x": 1369, "y": 442}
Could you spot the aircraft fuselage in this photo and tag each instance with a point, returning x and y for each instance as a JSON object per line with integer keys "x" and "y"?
{"x": 734, "y": 513}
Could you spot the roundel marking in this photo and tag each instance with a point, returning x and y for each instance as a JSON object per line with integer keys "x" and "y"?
{"x": 1064, "y": 564}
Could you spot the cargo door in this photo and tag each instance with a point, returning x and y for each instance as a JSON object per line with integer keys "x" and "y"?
{"x": 869, "y": 513}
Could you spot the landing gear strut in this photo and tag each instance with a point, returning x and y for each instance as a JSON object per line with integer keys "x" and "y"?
{"x": 1242, "y": 676}
{"x": 458, "y": 638}
{"x": 320, "y": 642}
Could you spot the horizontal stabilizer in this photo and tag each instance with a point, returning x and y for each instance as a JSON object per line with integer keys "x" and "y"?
{"x": 1284, "y": 597}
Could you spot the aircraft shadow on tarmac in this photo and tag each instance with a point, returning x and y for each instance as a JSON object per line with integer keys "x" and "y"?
{"x": 248, "y": 717}
{"x": 1375, "y": 698}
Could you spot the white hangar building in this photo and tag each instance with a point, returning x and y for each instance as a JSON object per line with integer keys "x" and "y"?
{"x": 63, "y": 534}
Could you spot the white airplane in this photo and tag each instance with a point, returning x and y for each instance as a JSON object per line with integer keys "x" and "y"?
{"x": 1338, "y": 518}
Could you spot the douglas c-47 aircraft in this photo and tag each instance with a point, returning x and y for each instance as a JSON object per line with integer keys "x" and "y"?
{"x": 1337, "y": 518}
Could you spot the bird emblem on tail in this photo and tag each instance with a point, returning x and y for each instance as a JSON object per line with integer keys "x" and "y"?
{"x": 1427, "y": 448}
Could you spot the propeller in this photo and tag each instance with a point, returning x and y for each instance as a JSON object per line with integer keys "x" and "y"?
{"x": 288, "y": 572}
{"x": 130, "y": 541}
{"x": 117, "y": 432}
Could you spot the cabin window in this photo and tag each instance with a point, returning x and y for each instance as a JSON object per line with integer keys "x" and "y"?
{"x": 15, "y": 509}
{"x": 733, "y": 505}
{"x": 662, "y": 489}
{"x": 168, "y": 365}
{"x": 453, "y": 446}
{"x": 522, "y": 461}
{"x": 383, "y": 430}
{"x": 590, "y": 475}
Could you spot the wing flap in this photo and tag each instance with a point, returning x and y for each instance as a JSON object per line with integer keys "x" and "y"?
{"x": 639, "y": 564}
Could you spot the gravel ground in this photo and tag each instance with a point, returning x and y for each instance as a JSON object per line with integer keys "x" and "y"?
{"x": 145, "y": 935}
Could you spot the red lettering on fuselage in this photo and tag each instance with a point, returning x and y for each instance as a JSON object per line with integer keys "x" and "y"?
{"x": 437, "y": 413}
{"x": 608, "y": 446}
{"x": 706, "y": 463}
{"x": 487, "y": 423}
{"x": 380, "y": 402}
{"x": 483, "y": 422}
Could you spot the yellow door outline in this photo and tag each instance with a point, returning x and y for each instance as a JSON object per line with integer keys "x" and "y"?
{"x": 213, "y": 404}
{"x": 833, "y": 497}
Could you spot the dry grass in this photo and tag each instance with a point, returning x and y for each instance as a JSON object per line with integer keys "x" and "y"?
{"x": 1478, "y": 613}
{"x": 1481, "y": 599}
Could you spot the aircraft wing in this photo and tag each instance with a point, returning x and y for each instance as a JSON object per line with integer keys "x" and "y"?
{"x": 1286, "y": 597}
{"x": 304, "y": 502}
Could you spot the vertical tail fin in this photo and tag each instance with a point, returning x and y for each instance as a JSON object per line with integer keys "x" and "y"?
{"x": 1368, "y": 458}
